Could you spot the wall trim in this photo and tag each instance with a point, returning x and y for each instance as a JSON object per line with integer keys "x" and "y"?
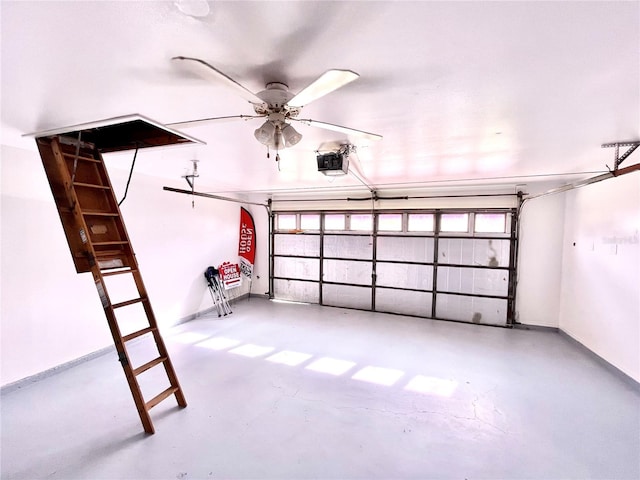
{"x": 24, "y": 382}
{"x": 629, "y": 381}
{"x": 540, "y": 328}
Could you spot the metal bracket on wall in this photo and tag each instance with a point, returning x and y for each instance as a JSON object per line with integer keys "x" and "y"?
{"x": 191, "y": 178}
{"x": 620, "y": 158}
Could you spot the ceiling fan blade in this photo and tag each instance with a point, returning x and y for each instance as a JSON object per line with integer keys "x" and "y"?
{"x": 339, "y": 128}
{"x": 327, "y": 82}
{"x": 204, "y": 121}
{"x": 217, "y": 75}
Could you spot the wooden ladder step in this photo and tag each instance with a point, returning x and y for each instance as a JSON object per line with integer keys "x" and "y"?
{"x": 111, "y": 242}
{"x": 91, "y": 185}
{"x": 107, "y": 254}
{"x": 128, "y": 302}
{"x": 137, "y": 334}
{"x": 98, "y": 213}
{"x": 161, "y": 396}
{"x": 81, "y": 157}
{"x": 118, "y": 272}
{"x": 148, "y": 365}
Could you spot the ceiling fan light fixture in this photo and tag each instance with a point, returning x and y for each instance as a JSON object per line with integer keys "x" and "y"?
{"x": 291, "y": 135}
{"x": 278, "y": 140}
{"x": 265, "y": 133}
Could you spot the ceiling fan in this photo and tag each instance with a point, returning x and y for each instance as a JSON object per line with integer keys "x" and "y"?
{"x": 278, "y": 106}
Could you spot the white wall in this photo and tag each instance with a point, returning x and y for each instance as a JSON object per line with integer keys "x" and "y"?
{"x": 48, "y": 313}
{"x": 540, "y": 259}
{"x": 600, "y": 302}
{"x": 51, "y": 315}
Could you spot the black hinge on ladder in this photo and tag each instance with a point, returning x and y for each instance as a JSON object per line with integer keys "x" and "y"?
{"x": 122, "y": 358}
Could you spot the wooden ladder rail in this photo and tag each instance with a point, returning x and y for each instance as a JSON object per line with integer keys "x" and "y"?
{"x": 89, "y": 210}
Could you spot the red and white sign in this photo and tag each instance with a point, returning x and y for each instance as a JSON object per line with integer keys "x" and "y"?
{"x": 230, "y": 275}
{"x": 247, "y": 243}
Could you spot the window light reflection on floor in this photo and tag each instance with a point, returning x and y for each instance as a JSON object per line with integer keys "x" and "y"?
{"x": 287, "y": 357}
{"x": 188, "y": 337}
{"x": 219, "y": 343}
{"x": 279, "y": 300}
{"x": 329, "y": 365}
{"x": 332, "y": 366}
{"x": 432, "y": 386}
{"x": 378, "y": 375}
{"x": 252, "y": 351}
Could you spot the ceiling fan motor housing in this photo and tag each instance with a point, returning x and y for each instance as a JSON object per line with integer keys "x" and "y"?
{"x": 276, "y": 132}
{"x": 276, "y": 95}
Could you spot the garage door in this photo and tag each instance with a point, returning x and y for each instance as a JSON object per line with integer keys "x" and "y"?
{"x": 446, "y": 264}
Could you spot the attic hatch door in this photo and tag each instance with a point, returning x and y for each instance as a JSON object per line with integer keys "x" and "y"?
{"x": 89, "y": 178}
{"x": 121, "y": 133}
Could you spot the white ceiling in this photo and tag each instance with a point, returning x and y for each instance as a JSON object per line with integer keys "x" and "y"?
{"x": 464, "y": 93}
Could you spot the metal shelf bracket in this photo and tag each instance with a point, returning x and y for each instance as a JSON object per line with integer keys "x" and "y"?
{"x": 620, "y": 158}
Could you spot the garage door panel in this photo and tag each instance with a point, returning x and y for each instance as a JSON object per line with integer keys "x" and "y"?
{"x": 297, "y": 291}
{"x": 345, "y": 246}
{"x": 346, "y": 296}
{"x": 474, "y": 251}
{"x": 478, "y": 281}
{"x": 403, "y": 301}
{"x": 303, "y": 245}
{"x": 405, "y": 249}
{"x": 491, "y": 311}
{"x": 292, "y": 267}
{"x": 347, "y": 271}
{"x": 402, "y": 275}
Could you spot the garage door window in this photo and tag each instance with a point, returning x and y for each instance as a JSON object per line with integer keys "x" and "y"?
{"x": 334, "y": 222}
{"x": 420, "y": 222}
{"x": 287, "y": 222}
{"x": 490, "y": 223}
{"x": 361, "y": 222}
{"x": 390, "y": 222}
{"x": 310, "y": 222}
{"x": 454, "y": 222}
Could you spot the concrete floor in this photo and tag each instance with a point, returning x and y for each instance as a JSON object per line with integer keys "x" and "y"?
{"x": 300, "y": 391}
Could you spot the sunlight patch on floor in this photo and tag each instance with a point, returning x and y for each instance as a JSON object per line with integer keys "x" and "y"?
{"x": 332, "y": 366}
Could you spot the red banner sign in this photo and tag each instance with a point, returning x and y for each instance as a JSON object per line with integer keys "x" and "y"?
{"x": 247, "y": 243}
